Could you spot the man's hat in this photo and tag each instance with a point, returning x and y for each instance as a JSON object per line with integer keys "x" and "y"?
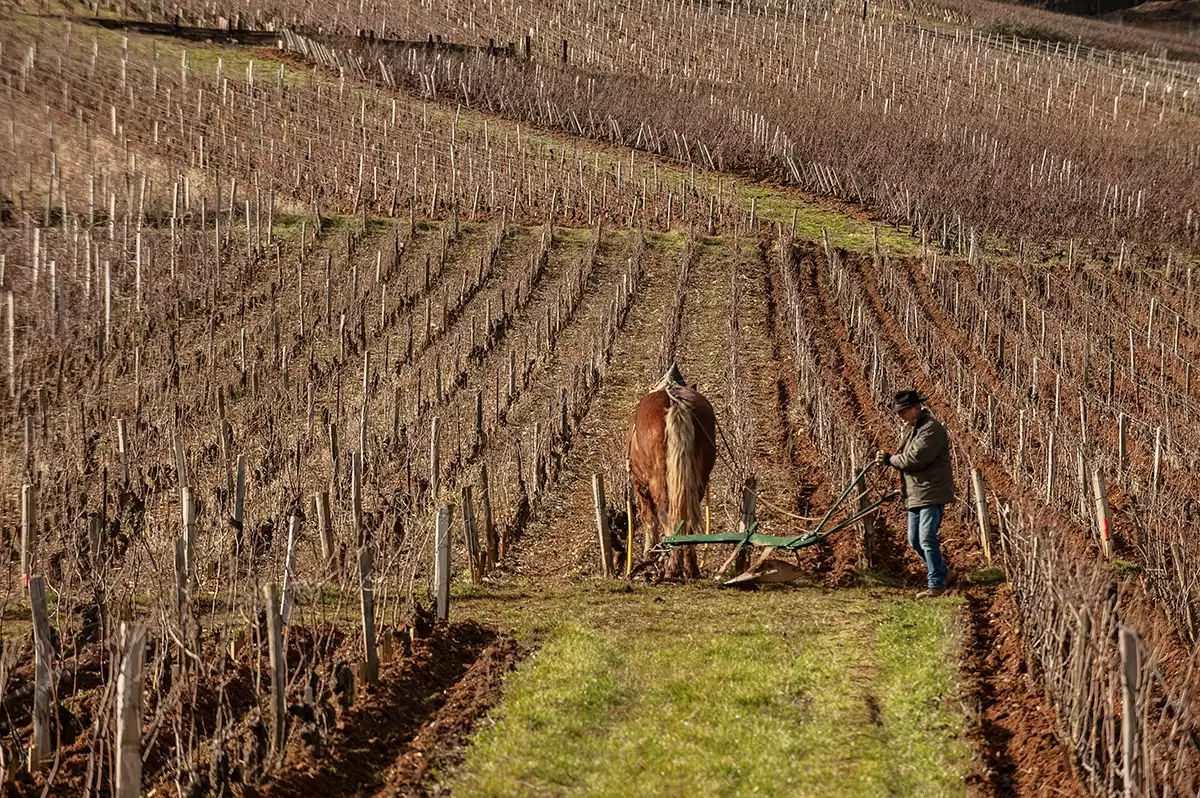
{"x": 907, "y": 399}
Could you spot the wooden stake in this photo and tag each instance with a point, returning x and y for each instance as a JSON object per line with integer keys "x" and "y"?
{"x": 442, "y": 563}
{"x": 982, "y": 514}
{"x": 474, "y": 561}
{"x": 1050, "y": 469}
{"x": 289, "y": 567}
{"x": 129, "y": 711}
{"x": 366, "y": 564}
{"x": 435, "y": 461}
{"x": 1130, "y": 717}
{"x": 41, "y": 752}
{"x": 1103, "y": 515}
{"x": 602, "y": 524}
{"x": 239, "y": 505}
{"x": 324, "y": 525}
{"x": 188, "y": 503}
{"x": 123, "y": 450}
{"x": 28, "y": 529}
{"x": 278, "y": 668}
{"x": 489, "y": 528}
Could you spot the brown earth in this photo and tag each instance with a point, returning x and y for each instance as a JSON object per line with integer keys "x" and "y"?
{"x": 1011, "y": 722}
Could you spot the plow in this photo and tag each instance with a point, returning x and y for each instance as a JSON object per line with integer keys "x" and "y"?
{"x": 766, "y": 569}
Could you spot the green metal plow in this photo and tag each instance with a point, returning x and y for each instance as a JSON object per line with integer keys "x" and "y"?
{"x": 791, "y": 542}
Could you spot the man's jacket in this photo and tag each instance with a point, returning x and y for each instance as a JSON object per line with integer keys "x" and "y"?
{"x": 926, "y": 475}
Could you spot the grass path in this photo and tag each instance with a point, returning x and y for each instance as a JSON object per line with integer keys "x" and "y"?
{"x": 699, "y": 691}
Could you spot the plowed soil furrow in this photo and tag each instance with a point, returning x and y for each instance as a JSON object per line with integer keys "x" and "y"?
{"x": 467, "y": 250}
{"x": 844, "y": 371}
{"x": 440, "y": 743}
{"x": 807, "y": 462}
{"x": 560, "y": 542}
{"x": 532, "y": 403}
{"x": 553, "y": 370}
{"x": 379, "y": 726}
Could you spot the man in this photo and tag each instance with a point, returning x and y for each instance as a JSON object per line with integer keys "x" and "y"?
{"x": 926, "y": 483}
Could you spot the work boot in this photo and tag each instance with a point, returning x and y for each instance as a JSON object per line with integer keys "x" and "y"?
{"x": 932, "y": 592}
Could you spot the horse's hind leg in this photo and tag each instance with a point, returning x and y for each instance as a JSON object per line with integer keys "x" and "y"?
{"x": 648, "y": 514}
{"x": 675, "y": 567}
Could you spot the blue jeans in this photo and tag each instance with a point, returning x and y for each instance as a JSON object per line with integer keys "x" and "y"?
{"x": 923, "y": 524}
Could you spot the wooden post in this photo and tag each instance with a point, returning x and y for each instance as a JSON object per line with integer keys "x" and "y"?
{"x": 474, "y": 560}
{"x": 239, "y": 505}
{"x": 28, "y": 529}
{"x": 278, "y": 665}
{"x": 1103, "y": 515}
{"x": 129, "y": 711}
{"x": 1157, "y": 475}
{"x": 182, "y": 596}
{"x": 324, "y": 525}
{"x": 123, "y": 450}
{"x": 602, "y": 525}
{"x": 12, "y": 348}
{"x": 629, "y": 525}
{"x": 435, "y": 463}
{"x": 1021, "y": 441}
{"x": 441, "y": 535}
{"x": 749, "y": 513}
{"x": 490, "y": 537}
{"x": 1084, "y": 484}
{"x": 289, "y": 567}
{"x": 181, "y": 470}
{"x": 334, "y": 463}
{"x": 1130, "y": 717}
{"x": 41, "y": 753}
{"x": 981, "y": 512}
{"x": 1050, "y": 468}
{"x": 366, "y": 563}
{"x": 356, "y": 497}
{"x": 189, "y": 533}
{"x": 478, "y": 419}
{"x": 1122, "y": 452}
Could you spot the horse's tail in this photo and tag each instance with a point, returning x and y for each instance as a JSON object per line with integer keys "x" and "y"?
{"x": 683, "y": 478}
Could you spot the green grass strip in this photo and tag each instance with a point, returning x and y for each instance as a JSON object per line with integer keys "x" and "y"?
{"x": 699, "y": 692}
{"x": 918, "y": 655}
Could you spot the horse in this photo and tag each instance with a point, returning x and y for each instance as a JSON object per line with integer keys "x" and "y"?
{"x": 670, "y": 453}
